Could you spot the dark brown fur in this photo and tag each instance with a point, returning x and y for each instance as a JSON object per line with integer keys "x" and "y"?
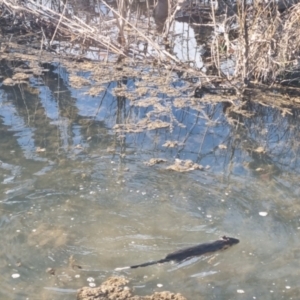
{"x": 183, "y": 254}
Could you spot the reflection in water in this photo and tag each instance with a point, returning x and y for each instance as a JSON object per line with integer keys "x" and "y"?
{"x": 89, "y": 196}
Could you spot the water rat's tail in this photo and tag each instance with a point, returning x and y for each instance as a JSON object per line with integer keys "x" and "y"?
{"x": 144, "y": 264}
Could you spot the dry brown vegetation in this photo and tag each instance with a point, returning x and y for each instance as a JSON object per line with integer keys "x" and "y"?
{"x": 243, "y": 44}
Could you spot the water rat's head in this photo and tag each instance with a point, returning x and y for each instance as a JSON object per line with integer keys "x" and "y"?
{"x": 229, "y": 240}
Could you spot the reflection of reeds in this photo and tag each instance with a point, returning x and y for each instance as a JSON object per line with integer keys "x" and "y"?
{"x": 261, "y": 42}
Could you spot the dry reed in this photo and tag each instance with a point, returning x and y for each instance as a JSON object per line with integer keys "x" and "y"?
{"x": 263, "y": 43}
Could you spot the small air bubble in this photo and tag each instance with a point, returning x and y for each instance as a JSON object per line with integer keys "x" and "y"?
{"x": 16, "y": 275}
{"x": 159, "y": 285}
{"x": 240, "y": 291}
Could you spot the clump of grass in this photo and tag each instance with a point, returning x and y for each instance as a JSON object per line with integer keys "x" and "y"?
{"x": 267, "y": 42}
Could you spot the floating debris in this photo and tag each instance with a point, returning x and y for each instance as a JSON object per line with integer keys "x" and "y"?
{"x": 184, "y": 166}
{"x": 16, "y": 275}
{"x": 21, "y": 76}
{"x": 155, "y": 161}
{"x": 72, "y": 262}
{"x": 263, "y": 213}
{"x": 8, "y": 82}
{"x": 260, "y": 150}
{"x": 78, "y": 82}
{"x": 157, "y": 124}
{"x": 222, "y": 147}
{"x": 50, "y": 271}
{"x": 39, "y": 149}
{"x": 172, "y": 144}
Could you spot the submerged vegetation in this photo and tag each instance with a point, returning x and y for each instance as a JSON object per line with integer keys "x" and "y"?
{"x": 117, "y": 288}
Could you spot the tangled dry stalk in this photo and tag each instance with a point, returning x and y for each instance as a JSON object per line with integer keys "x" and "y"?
{"x": 271, "y": 42}
{"x": 247, "y": 42}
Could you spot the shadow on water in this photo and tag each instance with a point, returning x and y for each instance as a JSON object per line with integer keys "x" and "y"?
{"x": 75, "y": 186}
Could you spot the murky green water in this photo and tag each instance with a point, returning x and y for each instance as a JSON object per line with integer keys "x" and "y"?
{"x": 71, "y": 187}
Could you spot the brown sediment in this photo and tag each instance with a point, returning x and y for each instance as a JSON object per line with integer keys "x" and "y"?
{"x": 117, "y": 288}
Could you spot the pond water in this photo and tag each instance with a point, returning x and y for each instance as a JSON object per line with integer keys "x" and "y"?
{"x": 76, "y": 193}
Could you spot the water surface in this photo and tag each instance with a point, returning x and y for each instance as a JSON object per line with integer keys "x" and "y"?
{"x": 74, "y": 189}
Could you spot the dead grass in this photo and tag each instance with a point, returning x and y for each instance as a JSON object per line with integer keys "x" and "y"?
{"x": 262, "y": 44}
